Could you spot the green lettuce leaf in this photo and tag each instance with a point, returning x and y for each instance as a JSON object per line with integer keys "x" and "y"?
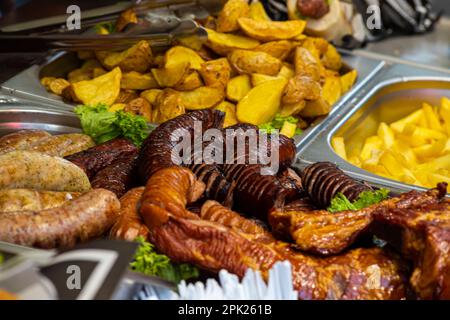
{"x": 149, "y": 262}
{"x": 103, "y": 125}
{"x": 365, "y": 199}
{"x": 277, "y": 124}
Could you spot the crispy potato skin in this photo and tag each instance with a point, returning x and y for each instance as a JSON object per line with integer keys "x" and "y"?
{"x": 227, "y": 21}
{"x": 216, "y": 72}
{"x": 306, "y": 64}
{"x": 245, "y": 61}
{"x": 301, "y": 88}
{"x": 139, "y": 107}
{"x": 278, "y": 49}
{"x": 202, "y": 98}
{"x": 104, "y": 89}
{"x": 271, "y": 30}
{"x": 168, "y": 105}
{"x": 137, "y": 58}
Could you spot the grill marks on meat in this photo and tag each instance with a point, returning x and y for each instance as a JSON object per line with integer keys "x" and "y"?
{"x": 117, "y": 177}
{"x": 323, "y": 180}
{"x": 156, "y": 152}
{"x": 97, "y": 158}
{"x": 222, "y": 238}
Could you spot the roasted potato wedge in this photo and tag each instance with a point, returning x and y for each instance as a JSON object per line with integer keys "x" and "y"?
{"x": 190, "y": 82}
{"x": 246, "y": 61}
{"x": 261, "y": 103}
{"x": 79, "y": 75}
{"x": 216, "y": 72}
{"x": 230, "y": 113}
{"x": 257, "y": 79}
{"x": 301, "y": 88}
{"x": 319, "y": 44}
{"x": 104, "y": 89}
{"x": 137, "y": 81}
{"x": 348, "y": 80}
{"x": 55, "y": 85}
{"x": 305, "y": 64}
{"x": 139, "y": 107}
{"x": 170, "y": 77}
{"x": 182, "y": 55}
{"x": 151, "y": 95}
{"x": 257, "y": 12}
{"x": 116, "y": 107}
{"x": 126, "y": 96}
{"x": 202, "y": 98}
{"x": 292, "y": 109}
{"x": 238, "y": 87}
{"x": 332, "y": 59}
{"x": 137, "y": 58}
{"x": 278, "y": 49}
{"x": 224, "y": 43}
{"x": 229, "y": 15}
{"x": 168, "y": 105}
{"x": 331, "y": 90}
{"x": 271, "y": 30}
{"x": 286, "y": 71}
{"x": 315, "y": 108}
{"x": 190, "y": 41}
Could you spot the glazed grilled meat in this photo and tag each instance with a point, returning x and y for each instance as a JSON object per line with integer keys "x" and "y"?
{"x": 117, "y": 177}
{"x": 228, "y": 241}
{"x": 99, "y": 157}
{"x": 323, "y": 180}
{"x": 419, "y": 227}
{"x": 416, "y": 223}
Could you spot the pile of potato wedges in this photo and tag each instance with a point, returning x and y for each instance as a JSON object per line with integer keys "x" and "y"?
{"x": 251, "y": 67}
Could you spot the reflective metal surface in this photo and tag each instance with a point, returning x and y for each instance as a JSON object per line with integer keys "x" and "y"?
{"x": 18, "y": 114}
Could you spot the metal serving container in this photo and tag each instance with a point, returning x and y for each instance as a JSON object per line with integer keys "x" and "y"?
{"x": 17, "y": 114}
{"x": 395, "y": 92}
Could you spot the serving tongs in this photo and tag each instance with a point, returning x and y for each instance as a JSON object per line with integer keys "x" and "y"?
{"x": 159, "y": 22}
{"x": 77, "y": 42}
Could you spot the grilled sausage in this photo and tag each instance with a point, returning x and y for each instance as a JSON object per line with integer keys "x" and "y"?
{"x": 130, "y": 224}
{"x": 21, "y": 140}
{"x": 86, "y": 217}
{"x": 34, "y": 170}
{"x": 323, "y": 180}
{"x": 118, "y": 176}
{"x": 63, "y": 145}
{"x": 27, "y": 199}
{"x": 156, "y": 151}
{"x": 97, "y": 158}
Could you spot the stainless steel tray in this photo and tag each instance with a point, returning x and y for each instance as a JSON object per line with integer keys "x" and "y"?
{"x": 17, "y": 114}
{"x": 398, "y": 84}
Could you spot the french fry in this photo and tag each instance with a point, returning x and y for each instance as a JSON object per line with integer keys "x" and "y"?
{"x": 339, "y": 147}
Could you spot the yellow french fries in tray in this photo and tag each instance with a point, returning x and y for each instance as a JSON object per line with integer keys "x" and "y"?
{"x": 414, "y": 149}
